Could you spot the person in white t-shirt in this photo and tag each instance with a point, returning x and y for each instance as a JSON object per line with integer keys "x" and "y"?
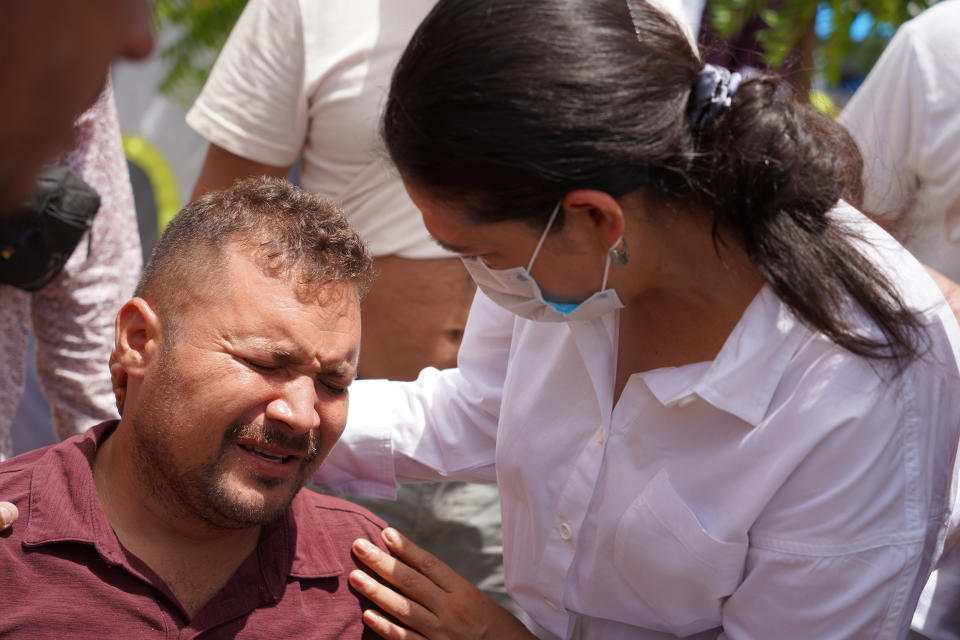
{"x": 304, "y": 81}
{"x": 905, "y": 121}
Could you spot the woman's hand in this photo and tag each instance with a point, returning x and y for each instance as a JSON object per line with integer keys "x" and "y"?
{"x": 8, "y": 515}
{"x": 432, "y": 600}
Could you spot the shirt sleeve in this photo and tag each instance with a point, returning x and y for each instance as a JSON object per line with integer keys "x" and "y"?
{"x": 441, "y": 426}
{"x": 254, "y": 103}
{"x": 843, "y": 547}
{"x": 885, "y": 119}
{"x": 73, "y": 316}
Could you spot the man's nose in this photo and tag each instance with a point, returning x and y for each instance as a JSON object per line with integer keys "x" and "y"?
{"x": 295, "y": 404}
{"x": 139, "y": 34}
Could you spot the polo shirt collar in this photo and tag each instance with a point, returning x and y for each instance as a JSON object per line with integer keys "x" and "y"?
{"x": 313, "y": 552}
{"x": 280, "y": 554}
{"x": 64, "y": 507}
{"x": 743, "y": 377}
{"x": 63, "y": 499}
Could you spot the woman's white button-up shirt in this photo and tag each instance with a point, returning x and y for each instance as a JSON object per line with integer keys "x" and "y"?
{"x": 786, "y": 489}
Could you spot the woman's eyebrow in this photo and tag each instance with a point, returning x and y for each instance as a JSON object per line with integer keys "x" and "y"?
{"x": 450, "y": 247}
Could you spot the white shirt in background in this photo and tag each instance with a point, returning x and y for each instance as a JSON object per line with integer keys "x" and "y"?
{"x": 302, "y": 79}
{"x": 906, "y": 121}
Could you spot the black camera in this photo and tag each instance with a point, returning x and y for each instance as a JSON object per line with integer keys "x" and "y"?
{"x": 36, "y": 241}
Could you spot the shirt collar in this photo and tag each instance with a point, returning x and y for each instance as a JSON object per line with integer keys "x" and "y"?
{"x": 64, "y": 507}
{"x": 63, "y": 500}
{"x": 743, "y": 377}
{"x": 314, "y": 552}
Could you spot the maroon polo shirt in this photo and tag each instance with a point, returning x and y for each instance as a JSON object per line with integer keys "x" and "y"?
{"x": 63, "y": 573}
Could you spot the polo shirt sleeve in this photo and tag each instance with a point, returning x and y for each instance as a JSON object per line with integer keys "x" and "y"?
{"x": 254, "y": 103}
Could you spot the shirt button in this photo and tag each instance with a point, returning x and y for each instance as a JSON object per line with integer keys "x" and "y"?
{"x": 565, "y": 531}
{"x": 600, "y": 435}
{"x": 550, "y": 603}
{"x": 687, "y": 399}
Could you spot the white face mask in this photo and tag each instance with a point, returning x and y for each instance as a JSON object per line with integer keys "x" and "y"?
{"x": 515, "y": 289}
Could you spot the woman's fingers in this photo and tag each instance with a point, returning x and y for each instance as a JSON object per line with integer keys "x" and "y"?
{"x": 387, "y": 629}
{"x": 397, "y": 605}
{"x": 420, "y": 591}
{"x": 434, "y": 601}
{"x": 439, "y": 572}
{"x": 8, "y": 514}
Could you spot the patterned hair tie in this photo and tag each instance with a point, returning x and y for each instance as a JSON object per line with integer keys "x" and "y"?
{"x": 711, "y": 93}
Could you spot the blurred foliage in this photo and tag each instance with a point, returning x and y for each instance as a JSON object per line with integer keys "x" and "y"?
{"x": 200, "y": 29}
{"x": 788, "y": 21}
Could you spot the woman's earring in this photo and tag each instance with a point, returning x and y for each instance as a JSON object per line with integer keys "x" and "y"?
{"x": 620, "y": 254}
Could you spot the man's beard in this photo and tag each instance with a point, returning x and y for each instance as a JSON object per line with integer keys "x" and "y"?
{"x": 202, "y": 492}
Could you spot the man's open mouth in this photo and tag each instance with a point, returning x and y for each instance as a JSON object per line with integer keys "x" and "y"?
{"x": 266, "y": 455}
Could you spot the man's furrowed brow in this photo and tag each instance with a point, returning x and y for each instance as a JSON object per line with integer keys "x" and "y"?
{"x": 280, "y": 353}
{"x": 342, "y": 370}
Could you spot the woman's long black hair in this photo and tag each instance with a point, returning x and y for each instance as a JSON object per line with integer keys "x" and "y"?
{"x": 507, "y": 105}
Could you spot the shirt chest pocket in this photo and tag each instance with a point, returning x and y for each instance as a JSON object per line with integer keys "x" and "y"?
{"x": 676, "y": 570}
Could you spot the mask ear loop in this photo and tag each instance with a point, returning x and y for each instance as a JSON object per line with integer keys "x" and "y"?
{"x": 606, "y": 272}
{"x": 543, "y": 236}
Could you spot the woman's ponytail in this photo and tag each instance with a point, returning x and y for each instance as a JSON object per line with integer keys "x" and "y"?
{"x": 771, "y": 169}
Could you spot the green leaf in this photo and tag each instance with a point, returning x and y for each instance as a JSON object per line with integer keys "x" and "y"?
{"x": 203, "y": 26}
{"x": 788, "y": 22}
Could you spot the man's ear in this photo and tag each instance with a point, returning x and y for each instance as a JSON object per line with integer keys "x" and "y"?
{"x": 599, "y": 211}
{"x": 139, "y": 334}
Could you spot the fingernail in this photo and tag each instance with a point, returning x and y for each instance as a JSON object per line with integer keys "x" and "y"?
{"x": 391, "y": 535}
{"x": 362, "y": 547}
{"x": 373, "y": 616}
{"x": 8, "y": 516}
{"x": 360, "y": 579}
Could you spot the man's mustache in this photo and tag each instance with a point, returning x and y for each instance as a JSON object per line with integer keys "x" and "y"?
{"x": 305, "y": 445}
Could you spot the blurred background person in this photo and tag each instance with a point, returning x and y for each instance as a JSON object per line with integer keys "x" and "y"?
{"x": 55, "y": 57}
{"x": 304, "y": 81}
{"x": 71, "y": 318}
{"x": 904, "y": 120}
